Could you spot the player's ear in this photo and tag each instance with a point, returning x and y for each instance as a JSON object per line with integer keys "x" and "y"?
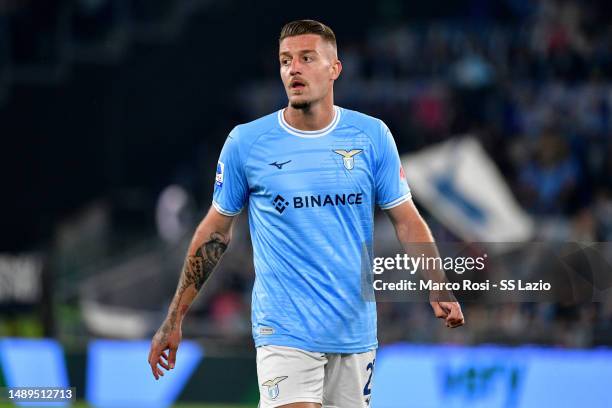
{"x": 336, "y": 68}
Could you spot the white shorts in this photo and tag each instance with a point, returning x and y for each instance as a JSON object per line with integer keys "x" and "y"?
{"x": 287, "y": 375}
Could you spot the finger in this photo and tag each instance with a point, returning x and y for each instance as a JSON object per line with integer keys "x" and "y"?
{"x": 152, "y": 352}
{"x": 172, "y": 357}
{"x": 154, "y": 371}
{"x": 461, "y": 322}
{"x": 438, "y": 311}
{"x": 455, "y": 318}
{"x": 164, "y": 364}
{"x": 153, "y": 356}
{"x": 151, "y": 363}
{"x": 164, "y": 355}
{"x": 454, "y": 314}
{"x": 446, "y": 306}
{"x": 457, "y": 323}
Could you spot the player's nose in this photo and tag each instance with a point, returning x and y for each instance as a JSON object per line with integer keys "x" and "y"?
{"x": 295, "y": 68}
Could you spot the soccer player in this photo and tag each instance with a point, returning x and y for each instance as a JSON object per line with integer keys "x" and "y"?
{"x": 310, "y": 176}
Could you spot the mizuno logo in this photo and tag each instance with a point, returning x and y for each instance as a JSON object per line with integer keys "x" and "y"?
{"x": 279, "y": 165}
{"x": 348, "y": 157}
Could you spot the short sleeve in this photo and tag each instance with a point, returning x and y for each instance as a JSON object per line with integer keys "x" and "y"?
{"x": 231, "y": 187}
{"x": 391, "y": 185}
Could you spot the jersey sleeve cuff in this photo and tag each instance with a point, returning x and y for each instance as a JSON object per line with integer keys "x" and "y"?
{"x": 223, "y": 211}
{"x": 396, "y": 202}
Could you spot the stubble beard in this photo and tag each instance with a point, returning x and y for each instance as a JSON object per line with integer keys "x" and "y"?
{"x": 301, "y": 105}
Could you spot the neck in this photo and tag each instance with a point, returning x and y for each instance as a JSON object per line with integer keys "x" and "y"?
{"x": 315, "y": 117}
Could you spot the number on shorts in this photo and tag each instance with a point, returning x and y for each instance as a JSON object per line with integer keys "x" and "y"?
{"x": 367, "y": 390}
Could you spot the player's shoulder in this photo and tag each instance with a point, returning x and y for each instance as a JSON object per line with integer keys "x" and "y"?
{"x": 367, "y": 124}
{"x": 249, "y": 131}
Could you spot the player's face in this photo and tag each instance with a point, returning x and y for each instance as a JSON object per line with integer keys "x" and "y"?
{"x": 308, "y": 68}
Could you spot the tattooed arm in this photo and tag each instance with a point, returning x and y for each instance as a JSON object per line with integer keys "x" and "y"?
{"x": 207, "y": 246}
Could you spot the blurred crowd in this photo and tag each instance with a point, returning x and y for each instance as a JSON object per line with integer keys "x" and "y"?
{"x": 537, "y": 94}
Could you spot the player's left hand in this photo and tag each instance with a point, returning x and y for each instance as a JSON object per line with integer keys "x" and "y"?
{"x": 450, "y": 312}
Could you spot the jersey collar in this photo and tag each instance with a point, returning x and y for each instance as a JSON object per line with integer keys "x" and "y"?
{"x": 309, "y": 133}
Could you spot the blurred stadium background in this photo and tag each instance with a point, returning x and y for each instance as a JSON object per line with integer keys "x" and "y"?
{"x": 112, "y": 116}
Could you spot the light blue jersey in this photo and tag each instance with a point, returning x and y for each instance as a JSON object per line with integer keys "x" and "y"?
{"x": 311, "y": 198}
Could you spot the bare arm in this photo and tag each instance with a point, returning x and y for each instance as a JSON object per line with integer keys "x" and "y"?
{"x": 410, "y": 228}
{"x": 208, "y": 244}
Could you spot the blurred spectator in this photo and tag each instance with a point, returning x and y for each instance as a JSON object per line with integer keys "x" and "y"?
{"x": 549, "y": 180}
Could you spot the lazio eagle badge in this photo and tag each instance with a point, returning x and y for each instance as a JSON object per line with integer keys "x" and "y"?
{"x": 272, "y": 385}
{"x": 348, "y": 157}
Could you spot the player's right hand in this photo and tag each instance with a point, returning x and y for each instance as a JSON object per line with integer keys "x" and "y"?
{"x": 164, "y": 347}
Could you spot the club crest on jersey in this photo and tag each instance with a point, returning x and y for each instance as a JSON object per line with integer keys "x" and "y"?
{"x": 348, "y": 157}
{"x": 219, "y": 175}
{"x": 272, "y": 385}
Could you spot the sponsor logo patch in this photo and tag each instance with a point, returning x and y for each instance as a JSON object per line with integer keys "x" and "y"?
{"x": 280, "y": 203}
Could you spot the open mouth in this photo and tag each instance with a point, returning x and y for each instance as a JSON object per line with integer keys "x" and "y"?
{"x": 297, "y": 84}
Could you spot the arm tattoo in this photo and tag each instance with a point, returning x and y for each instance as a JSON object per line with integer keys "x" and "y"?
{"x": 196, "y": 271}
{"x": 198, "y": 267}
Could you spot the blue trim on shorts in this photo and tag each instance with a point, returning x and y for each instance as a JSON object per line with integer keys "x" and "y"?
{"x": 280, "y": 340}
